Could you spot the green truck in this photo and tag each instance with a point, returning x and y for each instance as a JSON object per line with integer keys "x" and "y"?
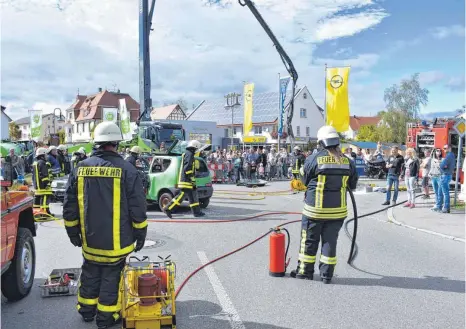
{"x": 163, "y": 175}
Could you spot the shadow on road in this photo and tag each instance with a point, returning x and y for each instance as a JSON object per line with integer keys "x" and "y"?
{"x": 435, "y": 283}
{"x": 195, "y": 314}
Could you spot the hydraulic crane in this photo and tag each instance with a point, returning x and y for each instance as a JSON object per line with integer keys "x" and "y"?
{"x": 145, "y": 23}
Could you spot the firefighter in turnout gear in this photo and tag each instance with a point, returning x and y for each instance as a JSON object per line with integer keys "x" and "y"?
{"x": 63, "y": 160}
{"x": 41, "y": 178}
{"x": 298, "y": 161}
{"x": 105, "y": 214}
{"x": 187, "y": 182}
{"x": 327, "y": 174}
{"x": 133, "y": 155}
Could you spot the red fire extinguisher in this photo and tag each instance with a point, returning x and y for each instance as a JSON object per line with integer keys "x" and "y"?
{"x": 278, "y": 253}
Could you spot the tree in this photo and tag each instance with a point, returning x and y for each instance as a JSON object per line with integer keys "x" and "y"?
{"x": 367, "y": 133}
{"x": 394, "y": 127}
{"x": 407, "y": 97}
{"x": 14, "y": 131}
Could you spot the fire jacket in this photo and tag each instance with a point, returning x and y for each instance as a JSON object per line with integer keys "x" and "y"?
{"x": 41, "y": 178}
{"x": 64, "y": 162}
{"x": 298, "y": 161}
{"x": 105, "y": 203}
{"x": 55, "y": 165}
{"x": 326, "y": 180}
{"x": 186, "y": 177}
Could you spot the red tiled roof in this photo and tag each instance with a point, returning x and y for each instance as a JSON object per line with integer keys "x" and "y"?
{"x": 162, "y": 113}
{"x": 356, "y": 122}
{"x": 91, "y": 107}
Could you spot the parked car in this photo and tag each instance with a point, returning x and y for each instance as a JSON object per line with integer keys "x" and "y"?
{"x": 18, "y": 230}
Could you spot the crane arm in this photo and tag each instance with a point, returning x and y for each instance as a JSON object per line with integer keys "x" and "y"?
{"x": 284, "y": 57}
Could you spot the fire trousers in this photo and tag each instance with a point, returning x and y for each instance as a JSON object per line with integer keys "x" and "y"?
{"x": 42, "y": 201}
{"x": 312, "y": 231}
{"x": 99, "y": 292}
{"x": 192, "y": 197}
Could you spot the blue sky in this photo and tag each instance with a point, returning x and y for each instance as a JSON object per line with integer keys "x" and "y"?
{"x": 204, "y": 52}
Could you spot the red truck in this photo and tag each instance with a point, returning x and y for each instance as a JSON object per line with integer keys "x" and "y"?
{"x": 17, "y": 231}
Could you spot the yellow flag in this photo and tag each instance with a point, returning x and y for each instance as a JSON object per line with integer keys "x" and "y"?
{"x": 248, "y": 108}
{"x": 336, "y": 98}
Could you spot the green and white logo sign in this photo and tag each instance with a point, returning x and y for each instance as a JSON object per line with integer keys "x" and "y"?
{"x": 109, "y": 114}
{"x": 125, "y": 124}
{"x": 35, "y": 117}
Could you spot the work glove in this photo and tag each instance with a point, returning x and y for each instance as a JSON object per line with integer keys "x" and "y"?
{"x": 140, "y": 237}
{"x": 76, "y": 240}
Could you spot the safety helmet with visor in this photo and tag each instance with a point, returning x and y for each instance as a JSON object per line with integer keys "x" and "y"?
{"x": 41, "y": 151}
{"x": 193, "y": 144}
{"x": 328, "y": 137}
{"x": 107, "y": 133}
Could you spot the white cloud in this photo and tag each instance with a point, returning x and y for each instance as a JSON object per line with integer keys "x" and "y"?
{"x": 363, "y": 61}
{"x": 197, "y": 51}
{"x": 348, "y": 25}
{"x": 431, "y": 77}
{"x": 443, "y": 32}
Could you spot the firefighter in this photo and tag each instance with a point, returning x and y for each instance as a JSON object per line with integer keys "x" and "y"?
{"x": 63, "y": 160}
{"x": 326, "y": 175}
{"x": 52, "y": 158}
{"x": 187, "y": 182}
{"x": 133, "y": 155}
{"x": 41, "y": 179}
{"x": 105, "y": 213}
{"x": 298, "y": 161}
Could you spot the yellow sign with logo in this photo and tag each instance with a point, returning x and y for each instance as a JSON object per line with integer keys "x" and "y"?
{"x": 460, "y": 127}
{"x": 254, "y": 139}
{"x": 336, "y": 98}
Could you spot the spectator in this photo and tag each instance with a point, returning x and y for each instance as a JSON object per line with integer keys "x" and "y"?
{"x": 378, "y": 154}
{"x": 434, "y": 174}
{"x": 368, "y": 156}
{"x": 447, "y": 166}
{"x": 394, "y": 164}
{"x": 410, "y": 174}
{"x": 425, "y": 168}
{"x": 272, "y": 160}
{"x": 14, "y": 163}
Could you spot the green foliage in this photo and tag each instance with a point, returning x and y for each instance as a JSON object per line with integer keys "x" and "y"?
{"x": 367, "y": 133}
{"x": 407, "y": 97}
{"x": 14, "y": 131}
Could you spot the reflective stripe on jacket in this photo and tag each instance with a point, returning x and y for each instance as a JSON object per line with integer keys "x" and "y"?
{"x": 298, "y": 161}
{"x": 186, "y": 175}
{"x": 105, "y": 201}
{"x": 326, "y": 179}
{"x": 41, "y": 178}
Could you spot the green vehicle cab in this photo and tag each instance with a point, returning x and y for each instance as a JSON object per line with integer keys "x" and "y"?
{"x": 163, "y": 175}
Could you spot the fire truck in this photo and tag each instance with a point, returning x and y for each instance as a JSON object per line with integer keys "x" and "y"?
{"x": 429, "y": 135}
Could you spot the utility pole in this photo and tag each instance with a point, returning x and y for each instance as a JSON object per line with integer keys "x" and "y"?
{"x": 232, "y": 100}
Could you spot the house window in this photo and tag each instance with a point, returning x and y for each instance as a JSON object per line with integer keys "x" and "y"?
{"x": 234, "y": 131}
{"x": 302, "y": 113}
{"x": 305, "y": 95}
{"x": 308, "y": 131}
{"x": 257, "y": 130}
{"x": 298, "y": 131}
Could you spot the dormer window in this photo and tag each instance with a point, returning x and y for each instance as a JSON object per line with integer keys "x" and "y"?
{"x": 305, "y": 95}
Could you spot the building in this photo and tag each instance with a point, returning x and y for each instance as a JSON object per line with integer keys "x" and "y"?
{"x": 356, "y": 122}
{"x": 51, "y": 124}
{"x": 307, "y": 119}
{"x": 5, "y": 128}
{"x": 86, "y": 112}
{"x": 170, "y": 112}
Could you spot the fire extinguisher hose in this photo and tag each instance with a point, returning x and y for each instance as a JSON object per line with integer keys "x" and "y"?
{"x": 353, "y": 250}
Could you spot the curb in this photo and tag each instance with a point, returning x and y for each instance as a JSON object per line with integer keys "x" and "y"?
{"x": 391, "y": 219}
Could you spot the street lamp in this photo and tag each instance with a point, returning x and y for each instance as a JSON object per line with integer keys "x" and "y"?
{"x": 59, "y": 118}
{"x": 232, "y": 100}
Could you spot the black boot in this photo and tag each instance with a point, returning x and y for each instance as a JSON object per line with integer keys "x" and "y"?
{"x": 326, "y": 280}
{"x": 305, "y": 276}
{"x": 167, "y": 212}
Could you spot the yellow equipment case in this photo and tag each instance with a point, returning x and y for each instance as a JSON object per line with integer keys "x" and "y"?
{"x": 147, "y": 294}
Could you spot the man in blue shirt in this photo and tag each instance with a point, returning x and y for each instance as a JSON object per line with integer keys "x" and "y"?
{"x": 447, "y": 166}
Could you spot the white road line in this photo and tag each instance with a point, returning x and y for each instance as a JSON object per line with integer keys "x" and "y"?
{"x": 225, "y": 302}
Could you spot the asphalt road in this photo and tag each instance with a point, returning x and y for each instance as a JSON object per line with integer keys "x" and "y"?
{"x": 406, "y": 278}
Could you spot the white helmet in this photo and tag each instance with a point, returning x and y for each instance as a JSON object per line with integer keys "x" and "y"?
{"x": 328, "y": 136}
{"x": 81, "y": 150}
{"x": 61, "y": 147}
{"x": 194, "y": 144}
{"x": 296, "y": 148}
{"x": 135, "y": 149}
{"x": 41, "y": 151}
{"x": 51, "y": 148}
{"x": 107, "y": 131}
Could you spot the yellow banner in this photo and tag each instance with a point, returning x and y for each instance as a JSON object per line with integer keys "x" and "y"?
{"x": 254, "y": 139}
{"x": 248, "y": 108}
{"x": 337, "y": 103}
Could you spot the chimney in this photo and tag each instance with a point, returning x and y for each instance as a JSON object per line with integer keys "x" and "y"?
{"x": 100, "y": 90}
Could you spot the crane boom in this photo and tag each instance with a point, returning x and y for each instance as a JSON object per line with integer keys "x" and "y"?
{"x": 145, "y": 24}
{"x": 284, "y": 57}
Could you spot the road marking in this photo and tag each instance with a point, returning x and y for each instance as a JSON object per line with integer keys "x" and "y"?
{"x": 225, "y": 302}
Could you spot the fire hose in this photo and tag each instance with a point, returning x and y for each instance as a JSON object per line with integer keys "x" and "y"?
{"x": 353, "y": 250}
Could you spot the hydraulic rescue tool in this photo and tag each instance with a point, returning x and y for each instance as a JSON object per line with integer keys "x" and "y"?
{"x": 147, "y": 294}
